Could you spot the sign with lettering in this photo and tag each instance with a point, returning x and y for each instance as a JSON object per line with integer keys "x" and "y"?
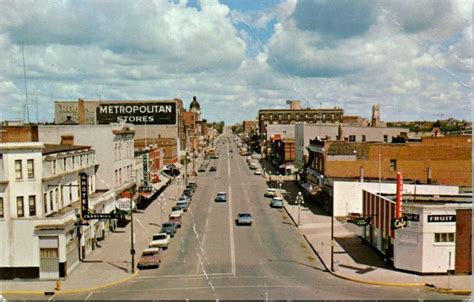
{"x": 360, "y": 221}
{"x": 398, "y": 223}
{"x": 84, "y": 194}
{"x": 145, "y": 189}
{"x": 137, "y": 113}
{"x": 441, "y": 218}
{"x": 124, "y": 204}
{"x": 411, "y": 217}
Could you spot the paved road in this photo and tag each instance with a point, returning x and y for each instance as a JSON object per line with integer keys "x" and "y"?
{"x": 212, "y": 258}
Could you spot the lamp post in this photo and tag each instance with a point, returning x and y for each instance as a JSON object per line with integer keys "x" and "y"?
{"x": 299, "y": 201}
{"x": 132, "y": 235}
{"x": 161, "y": 199}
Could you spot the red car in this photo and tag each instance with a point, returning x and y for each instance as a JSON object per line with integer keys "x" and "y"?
{"x": 175, "y": 219}
{"x": 150, "y": 258}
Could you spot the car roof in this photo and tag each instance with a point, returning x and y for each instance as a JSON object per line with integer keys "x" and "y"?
{"x": 277, "y": 198}
{"x": 271, "y": 189}
{"x": 221, "y": 193}
{"x": 175, "y": 215}
{"x": 151, "y": 250}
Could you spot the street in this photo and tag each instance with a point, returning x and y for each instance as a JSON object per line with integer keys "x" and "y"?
{"x": 211, "y": 257}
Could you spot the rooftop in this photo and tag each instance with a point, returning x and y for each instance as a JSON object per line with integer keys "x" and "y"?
{"x": 49, "y": 148}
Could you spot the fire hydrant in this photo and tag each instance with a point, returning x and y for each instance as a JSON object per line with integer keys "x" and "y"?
{"x": 58, "y": 285}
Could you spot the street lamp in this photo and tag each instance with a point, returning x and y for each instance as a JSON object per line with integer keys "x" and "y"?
{"x": 299, "y": 202}
{"x": 161, "y": 199}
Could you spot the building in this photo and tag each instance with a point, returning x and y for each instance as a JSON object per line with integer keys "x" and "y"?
{"x": 151, "y": 118}
{"x": 350, "y": 133}
{"x": 18, "y": 133}
{"x": 426, "y": 238}
{"x": 296, "y": 114}
{"x": 39, "y": 206}
{"x": 114, "y": 145}
{"x": 436, "y": 160}
{"x": 170, "y": 152}
{"x": 249, "y": 126}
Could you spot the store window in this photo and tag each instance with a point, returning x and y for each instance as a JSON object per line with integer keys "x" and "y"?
{"x": 443, "y": 237}
{"x": 364, "y": 138}
{"x": 385, "y": 138}
{"x": 352, "y": 138}
{"x": 1, "y": 207}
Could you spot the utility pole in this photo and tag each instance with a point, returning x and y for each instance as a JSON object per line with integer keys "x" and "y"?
{"x": 332, "y": 239}
{"x": 26, "y": 86}
{"x": 132, "y": 243}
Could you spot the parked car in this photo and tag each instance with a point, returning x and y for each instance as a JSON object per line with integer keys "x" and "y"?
{"x": 244, "y": 219}
{"x": 160, "y": 240}
{"x": 183, "y": 205}
{"x": 184, "y": 198}
{"x": 221, "y": 197}
{"x": 150, "y": 258}
{"x": 213, "y": 168}
{"x": 258, "y": 172}
{"x": 188, "y": 192}
{"x": 176, "y": 210}
{"x": 176, "y": 219}
{"x": 193, "y": 184}
{"x": 169, "y": 228}
{"x": 253, "y": 166}
{"x": 202, "y": 168}
{"x": 277, "y": 202}
{"x": 271, "y": 192}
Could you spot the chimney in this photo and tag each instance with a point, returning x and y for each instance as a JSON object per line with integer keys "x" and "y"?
{"x": 194, "y": 99}
{"x": 375, "y": 115}
{"x": 81, "y": 112}
{"x": 294, "y": 104}
{"x": 67, "y": 139}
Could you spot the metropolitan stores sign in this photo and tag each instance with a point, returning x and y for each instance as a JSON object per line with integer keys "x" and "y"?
{"x": 137, "y": 113}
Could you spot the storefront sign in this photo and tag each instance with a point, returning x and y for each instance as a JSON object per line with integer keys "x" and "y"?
{"x": 137, "y": 113}
{"x": 398, "y": 223}
{"x": 123, "y": 204}
{"x": 146, "y": 175}
{"x": 411, "y": 217}
{"x": 441, "y": 218}
{"x": 83, "y": 189}
{"x": 145, "y": 189}
{"x": 360, "y": 221}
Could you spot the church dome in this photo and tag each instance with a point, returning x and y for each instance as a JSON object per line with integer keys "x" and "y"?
{"x": 195, "y": 105}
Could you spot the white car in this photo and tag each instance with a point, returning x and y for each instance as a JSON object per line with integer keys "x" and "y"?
{"x": 258, "y": 172}
{"x": 160, "y": 240}
{"x": 176, "y": 211}
{"x": 271, "y": 192}
{"x": 176, "y": 214}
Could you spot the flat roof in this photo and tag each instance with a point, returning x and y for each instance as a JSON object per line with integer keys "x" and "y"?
{"x": 49, "y": 148}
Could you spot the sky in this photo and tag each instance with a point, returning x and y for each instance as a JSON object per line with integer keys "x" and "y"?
{"x": 413, "y": 58}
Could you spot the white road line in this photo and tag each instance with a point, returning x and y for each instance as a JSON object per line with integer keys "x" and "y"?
{"x": 146, "y": 230}
{"x": 87, "y": 298}
{"x": 54, "y": 296}
{"x": 231, "y": 230}
{"x": 228, "y": 166}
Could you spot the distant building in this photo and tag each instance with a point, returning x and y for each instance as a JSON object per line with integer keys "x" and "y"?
{"x": 350, "y": 133}
{"x": 150, "y": 117}
{"x": 296, "y": 114}
{"x": 249, "y": 126}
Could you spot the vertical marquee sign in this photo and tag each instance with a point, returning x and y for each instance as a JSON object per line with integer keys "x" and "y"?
{"x": 84, "y": 194}
{"x": 146, "y": 177}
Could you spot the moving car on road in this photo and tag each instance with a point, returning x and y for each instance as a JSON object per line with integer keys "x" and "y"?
{"x": 160, "y": 240}
{"x": 244, "y": 219}
{"x": 270, "y": 192}
{"x": 221, "y": 197}
{"x": 277, "y": 202}
{"x": 169, "y": 228}
{"x": 150, "y": 258}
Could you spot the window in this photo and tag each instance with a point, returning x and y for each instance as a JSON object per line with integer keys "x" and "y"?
{"x": 443, "y": 237}
{"x": 363, "y": 138}
{"x": 57, "y": 199}
{"x": 1, "y": 207}
{"x": 30, "y": 165}
{"x": 18, "y": 169}
{"x": 54, "y": 166}
{"x": 19, "y": 207}
{"x": 82, "y": 159}
{"x": 45, "y": 203}
{"x": 385, "y": 138}
{"x": 73, "y": 159}
{"x": 51, "y": 200}
{"x": 393, "y": 165}
{"x": 352, "y": 138}
{"x": 32, "y": 205}
{"x": 64, "y": 164}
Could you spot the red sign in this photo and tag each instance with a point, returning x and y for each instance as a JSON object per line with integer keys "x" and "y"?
{"x": 398, "y": 209}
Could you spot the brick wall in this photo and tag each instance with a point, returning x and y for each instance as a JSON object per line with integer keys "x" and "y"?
{"x": 463, "y": 241}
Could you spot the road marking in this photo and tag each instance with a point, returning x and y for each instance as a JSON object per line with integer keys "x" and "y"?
{"x": 146, "y": 230}
{"x": 228, "y": 167}
{"x": 88, "y": 296}
{"x": 231, "y": 230}
{"x": 53, "y": 296}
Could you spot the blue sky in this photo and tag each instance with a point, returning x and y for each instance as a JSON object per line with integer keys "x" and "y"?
{"x": 414, "y": 58}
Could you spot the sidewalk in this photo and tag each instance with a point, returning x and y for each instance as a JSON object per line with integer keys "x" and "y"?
{"x": 109, "y": 264}
{"x": 355, "y": 260}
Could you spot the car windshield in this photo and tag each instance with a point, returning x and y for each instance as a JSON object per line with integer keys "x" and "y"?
{"x": 159, "y": 237}
{"x": 167, "y": 225}
{"x": 244, "y": 215}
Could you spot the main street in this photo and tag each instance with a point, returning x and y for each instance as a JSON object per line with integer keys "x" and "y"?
{"x": 212, "y": 258}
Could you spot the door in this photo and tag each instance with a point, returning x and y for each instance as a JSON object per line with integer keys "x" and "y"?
{"x": 49, "y": 257}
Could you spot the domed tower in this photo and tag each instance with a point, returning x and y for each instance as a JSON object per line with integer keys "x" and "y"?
{"x": 194, "y": 106}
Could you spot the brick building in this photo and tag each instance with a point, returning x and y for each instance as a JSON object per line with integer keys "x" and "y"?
{"x": 436, "y": 160}
{"x": 248, "y": 126}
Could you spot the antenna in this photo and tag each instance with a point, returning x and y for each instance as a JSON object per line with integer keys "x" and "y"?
{"x": 37, "y": 121}
{"x": 26, "y": 86}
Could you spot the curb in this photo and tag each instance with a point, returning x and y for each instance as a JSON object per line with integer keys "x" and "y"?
{"x": 440, "y": 290}
{"x": 70, "y": 291}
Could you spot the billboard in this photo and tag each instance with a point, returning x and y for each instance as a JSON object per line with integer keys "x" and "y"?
{"x": 137, "y": 113}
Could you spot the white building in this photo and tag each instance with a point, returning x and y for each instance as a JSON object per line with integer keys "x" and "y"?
{"x": 428, "y": 243}
{"x": 114, "y": 148}
{"x": 39, "y": 207}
